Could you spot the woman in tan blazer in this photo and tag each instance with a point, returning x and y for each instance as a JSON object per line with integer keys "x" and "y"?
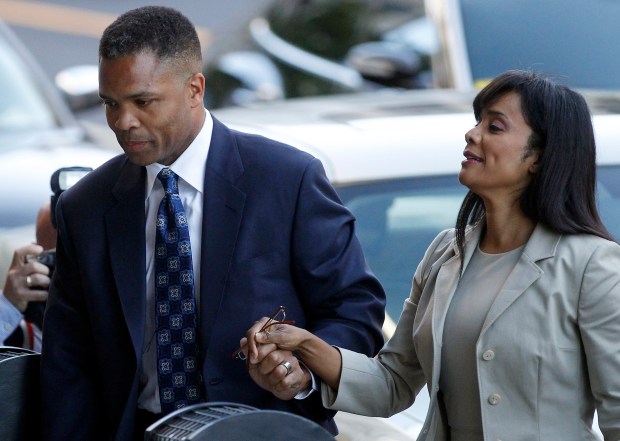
{"x": 513, "y": 321}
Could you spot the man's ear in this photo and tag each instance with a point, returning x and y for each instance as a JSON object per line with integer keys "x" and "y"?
{"x": 196, "y": 86}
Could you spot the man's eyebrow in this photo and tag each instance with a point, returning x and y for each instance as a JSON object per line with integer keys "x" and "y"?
{"x": 139, "y": 94}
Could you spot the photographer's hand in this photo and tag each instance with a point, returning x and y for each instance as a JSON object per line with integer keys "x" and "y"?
{"x": 27, "y": 279}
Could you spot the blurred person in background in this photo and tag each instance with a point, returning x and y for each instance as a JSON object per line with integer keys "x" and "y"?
{"x": 513, "y": 321}
{"x": 25, "y": 288}
{"x": 266, "y": 230}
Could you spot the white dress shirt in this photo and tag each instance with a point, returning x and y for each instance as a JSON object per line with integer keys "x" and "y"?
{"x": 190, "y": 167}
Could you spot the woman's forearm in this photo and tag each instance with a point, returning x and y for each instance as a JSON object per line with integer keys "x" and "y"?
{"x": 321, "y": 358}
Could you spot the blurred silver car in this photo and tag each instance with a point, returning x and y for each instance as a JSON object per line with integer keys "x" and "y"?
{"x": 317, "y": 47}
{"x": 394, "y": 157}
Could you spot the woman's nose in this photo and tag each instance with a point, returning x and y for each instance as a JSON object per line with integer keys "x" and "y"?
{"x": 472, "y": 136}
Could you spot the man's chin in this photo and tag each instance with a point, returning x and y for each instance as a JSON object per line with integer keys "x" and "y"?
{"x": 139, "y": 159}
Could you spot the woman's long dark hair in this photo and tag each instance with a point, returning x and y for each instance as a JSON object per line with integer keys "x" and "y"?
{"x": 562, "y": 193}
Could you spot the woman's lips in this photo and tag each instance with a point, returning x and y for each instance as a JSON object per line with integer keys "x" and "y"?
{"x": 470, "y": 158}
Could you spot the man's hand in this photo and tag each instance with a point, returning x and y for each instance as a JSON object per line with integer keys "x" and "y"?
{"x": 268, "y": 342}
{"x": 277, "y": 371}
{"x": 273, "y": 369}
{"x": 27, "y": 279}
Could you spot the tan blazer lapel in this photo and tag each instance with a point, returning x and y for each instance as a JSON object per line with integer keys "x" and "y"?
{"x": 445, "y": 286}
{"x": 448, "y": 278}
{"x": 541, "y": 245}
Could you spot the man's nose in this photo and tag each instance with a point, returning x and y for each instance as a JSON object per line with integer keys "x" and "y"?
{"x": 125, "y": 120}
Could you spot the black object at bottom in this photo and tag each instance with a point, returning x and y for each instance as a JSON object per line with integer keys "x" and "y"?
{"x": 223, "y": 421}
{"x": 20, "y": 403}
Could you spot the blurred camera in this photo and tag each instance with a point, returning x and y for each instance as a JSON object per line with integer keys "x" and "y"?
{"x": 61, "y": 180}
{"x": 48, "y": 258}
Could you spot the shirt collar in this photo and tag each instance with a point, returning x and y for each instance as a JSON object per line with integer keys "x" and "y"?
{"x": 190, "y": 166}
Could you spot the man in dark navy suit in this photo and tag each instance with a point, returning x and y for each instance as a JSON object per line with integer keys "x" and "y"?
{"x": 266, "y": 229}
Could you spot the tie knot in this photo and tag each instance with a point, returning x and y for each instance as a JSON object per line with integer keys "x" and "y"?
{"x": 169, "y": 180}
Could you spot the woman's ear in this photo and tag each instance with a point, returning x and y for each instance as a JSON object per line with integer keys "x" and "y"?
{"x": 535, "y": 158}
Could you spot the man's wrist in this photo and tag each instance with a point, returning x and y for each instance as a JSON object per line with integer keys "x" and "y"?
{"x": 311, "y": 386}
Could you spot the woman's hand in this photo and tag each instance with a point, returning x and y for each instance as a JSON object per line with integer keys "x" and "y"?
{"x": 272, "y": 368}
{"x": 286, "y": 337}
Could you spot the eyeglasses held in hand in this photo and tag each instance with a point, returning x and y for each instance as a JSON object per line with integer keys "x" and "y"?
{"x": 277, "y": 318}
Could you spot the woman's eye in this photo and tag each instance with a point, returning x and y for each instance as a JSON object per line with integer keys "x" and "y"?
{"x": 495, "y": 128}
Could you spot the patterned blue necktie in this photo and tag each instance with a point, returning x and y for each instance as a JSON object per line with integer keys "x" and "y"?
{"x": 180, "y": 380}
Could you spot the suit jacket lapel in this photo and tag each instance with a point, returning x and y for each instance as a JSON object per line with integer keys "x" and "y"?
{"x": 222, "y": 213}
{"x": 126, "y": 220}
{"x": 541, "y": 245}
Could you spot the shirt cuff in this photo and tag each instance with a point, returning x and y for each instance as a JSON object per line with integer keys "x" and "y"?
{"x": 10, "y": 317}
{"x": 301, "y": 395}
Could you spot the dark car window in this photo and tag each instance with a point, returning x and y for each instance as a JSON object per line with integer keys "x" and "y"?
{"x": 578, "y": 39}
{"x": 22, "y": 107}
{"x": 397, "y": 220}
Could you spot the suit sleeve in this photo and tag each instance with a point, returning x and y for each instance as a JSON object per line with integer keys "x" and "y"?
{"x": 68, "y": 384}
{"x": 343, "y": 301}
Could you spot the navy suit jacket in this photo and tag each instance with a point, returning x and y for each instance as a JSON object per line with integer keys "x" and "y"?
{"x": 274, "y": 233}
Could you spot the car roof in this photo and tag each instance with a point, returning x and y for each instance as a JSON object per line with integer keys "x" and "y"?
{"x": 417, "y": 133}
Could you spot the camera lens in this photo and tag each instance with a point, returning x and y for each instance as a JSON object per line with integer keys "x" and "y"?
{"x": 48, "y": 258}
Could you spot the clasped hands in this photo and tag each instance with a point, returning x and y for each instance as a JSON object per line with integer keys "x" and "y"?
{"x": 274, "y": 367}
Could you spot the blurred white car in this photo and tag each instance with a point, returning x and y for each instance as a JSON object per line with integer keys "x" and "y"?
{"x": 394, "y": 158}
{"x": 38, "y": 134}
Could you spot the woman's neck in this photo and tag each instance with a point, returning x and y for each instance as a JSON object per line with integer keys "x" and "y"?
{"x": 507, "y": 228}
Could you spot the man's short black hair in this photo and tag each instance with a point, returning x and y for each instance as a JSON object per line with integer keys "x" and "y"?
{"x": 161, "y": 30}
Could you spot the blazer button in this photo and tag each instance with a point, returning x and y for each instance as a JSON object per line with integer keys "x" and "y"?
{"x": 494, "y": 399}
{"x": 488, "y": 355}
